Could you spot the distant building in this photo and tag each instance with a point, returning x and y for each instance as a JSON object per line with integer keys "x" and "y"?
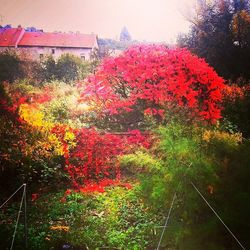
{"x": 40, "y": 44}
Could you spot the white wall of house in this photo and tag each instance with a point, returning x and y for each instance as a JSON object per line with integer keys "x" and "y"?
{"x": 5, "y": 48}
{"x": 37, "y": 53}
{"x": 56, "y": 52}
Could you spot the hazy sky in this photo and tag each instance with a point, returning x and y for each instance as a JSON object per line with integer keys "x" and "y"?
{"x": 151, "y": 20}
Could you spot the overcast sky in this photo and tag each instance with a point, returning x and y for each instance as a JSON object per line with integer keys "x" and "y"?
{"x": 151, "y": 20}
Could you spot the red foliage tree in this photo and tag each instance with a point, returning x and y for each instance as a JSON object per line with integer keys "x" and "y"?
{"x": 152, "y": 79}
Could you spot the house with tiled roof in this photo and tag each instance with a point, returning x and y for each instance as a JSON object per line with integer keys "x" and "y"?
{"x": 40, "y": 44}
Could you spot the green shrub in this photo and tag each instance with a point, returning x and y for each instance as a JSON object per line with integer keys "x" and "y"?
{"x": 10, "y": 66}
{"x": 49, "y": 69}
{"x": 217, "y": 163}
{"x": 67, "y": 68}
{"x": 237, "y": 113}
{"x": 114, "y": 219}
{"x": 70, "y": 68}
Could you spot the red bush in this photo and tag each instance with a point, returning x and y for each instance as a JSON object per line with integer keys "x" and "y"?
{"x": 93, "y": 163}
{"x": 155, "y": 78}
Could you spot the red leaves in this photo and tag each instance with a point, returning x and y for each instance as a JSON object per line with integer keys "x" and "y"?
{"x": 135, "y": 137}
{"x": 148, "y": 80}
{"x": 34, "y": 197}
{"x": 11, "y": 107}
{"x": 234, "y": 92}
{"x": 158, "y": 76}
{"x": 154, "y": 112}
{"x": 90, "y": 157}
{"x": 41, "y": 98}
{"x": 94, "y": 157}
{"x": 67, "y": 192}
{"x": 92, "y": 164}
{"x": 99, "y": 187}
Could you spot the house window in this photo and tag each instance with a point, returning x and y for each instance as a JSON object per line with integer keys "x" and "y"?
{"x": 53, "y": 51}
{"x": 41, "y": 56}
{"x": 82, "y": 57}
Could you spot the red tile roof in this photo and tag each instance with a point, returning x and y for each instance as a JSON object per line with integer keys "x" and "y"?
{"x": 9, "y": 37}
{"x": 57, "y": 40}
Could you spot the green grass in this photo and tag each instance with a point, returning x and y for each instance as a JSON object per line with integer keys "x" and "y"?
{"x": 114, "y": 219}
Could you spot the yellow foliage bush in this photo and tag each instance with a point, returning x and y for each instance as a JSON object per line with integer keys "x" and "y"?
{"x": 33, "y": 116}
{"x": 232, "y": 139}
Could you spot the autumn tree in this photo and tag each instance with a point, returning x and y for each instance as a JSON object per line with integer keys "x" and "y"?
{"x": 153, "y": 81}
{"x": 220, "y": 34}
{"x": 241, "y": 29}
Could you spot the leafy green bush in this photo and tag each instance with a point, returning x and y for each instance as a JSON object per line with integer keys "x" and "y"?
{"x": 49, "y": 69}
{"x": 70, "y": 68}
{"x": 67, "y": 68}
{"x": 237, "y": 113}
{"x": 10, "y": 66}
{"x": 176, "y": 158}
{"x": 212, "y": 160}
{"x": 19, "y": 65}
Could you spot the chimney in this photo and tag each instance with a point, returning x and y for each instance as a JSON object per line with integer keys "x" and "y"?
{"x": 22, "y": 31}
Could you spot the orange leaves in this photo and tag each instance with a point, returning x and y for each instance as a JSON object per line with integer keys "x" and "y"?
{"x": 60, "y": 228}
{"x": 210, "y": 189}
{"x": 233, "y": 92}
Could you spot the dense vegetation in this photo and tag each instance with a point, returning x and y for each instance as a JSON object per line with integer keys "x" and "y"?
{"x": 220, "y": 33}
{"x": 67, "y": 68}
{"x": 107, "y": 150}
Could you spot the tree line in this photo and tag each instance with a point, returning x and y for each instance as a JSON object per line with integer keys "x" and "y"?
{"x": 220, "y": 33}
